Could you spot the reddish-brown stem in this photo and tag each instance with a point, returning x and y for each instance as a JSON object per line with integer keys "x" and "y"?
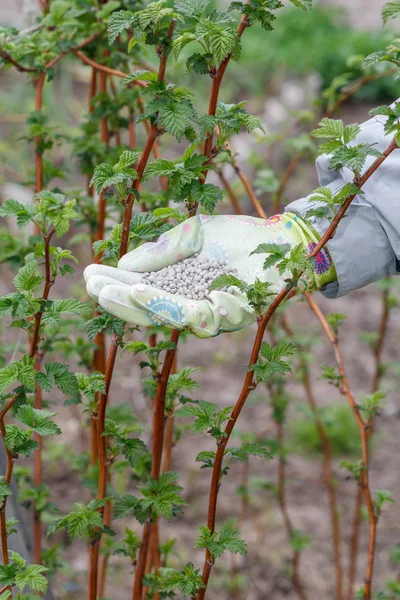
{"x": 141, "y": 562}
{"x": 92, "y": 93}
{"x": 297, "y": 584}
{"x": 153, "y": 134}
{"x": 284, "y": 181}
{"x": 102, "y": 403}
{"x": 104, "y": 69}
{"x": 83, "y": 44}
{"x": 38, "y": 153}
{"x": 158, "y": 438}
{"x": 348, "y": 92}
{"x": 102, "y": 202}
{"x": 37, "y": 465}
{"x": 103, "y": 566}
{"x": 6, "y": 56}
{"x": 231, "y": 194}
{"x": 248, "y": 381}
{"x": 216, "y": 86}
{"x": 356, "y": 526}
{"x": 7, "y": 480}
{"x": 353, "y": 88}
{"x": 247, "y": 186}
{"x": 327, "y": 466}
{"x": 364, "y": 435}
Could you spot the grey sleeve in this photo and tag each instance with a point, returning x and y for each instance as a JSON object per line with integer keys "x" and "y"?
{"x": 366, "y": 245}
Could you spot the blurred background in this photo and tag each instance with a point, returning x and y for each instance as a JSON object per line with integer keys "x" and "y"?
{"x": 282, "y": 75}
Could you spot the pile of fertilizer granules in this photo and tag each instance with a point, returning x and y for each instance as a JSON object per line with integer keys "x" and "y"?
{"x": 190, "y": 277}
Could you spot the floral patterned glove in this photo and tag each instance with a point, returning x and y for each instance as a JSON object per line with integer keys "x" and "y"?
{"x": 230, "y": 239}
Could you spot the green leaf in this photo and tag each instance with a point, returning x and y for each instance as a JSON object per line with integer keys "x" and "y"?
{"x": 191, "y": 8}
{"x": 244, "y": 451}
{"x": 60, "y": 375}
{"x": 227, "y": 281}
{"x": 118, "y": 22}
{"x": 219, "y": 541}
{"x": 22, "y": 370}
{"x": 124, "y": 506}
{"x": 350, "y": 132}
{"x": 12, "y": 208}
{"x": 175, "y": 117}
{"x": 187, "y": 581}
{"x": 4, "y": 492}
{"x": 134, "y": 449}
{"x": 33, "y": 577}
{"x": 38, "y": 420}
{"x": 104, "y": 176}
{"x": 391, "y": 10}
{"x": 26, "y": 278}
{"x": 304, "y": 4}
{"x": 127, "y": 158}
{"x": 207, "y": 195}
{"x": 159, "y": 168}
{"x": 329, "y": 128}
{"x": 142, "y": 75}
{"x": 299, "y": 541}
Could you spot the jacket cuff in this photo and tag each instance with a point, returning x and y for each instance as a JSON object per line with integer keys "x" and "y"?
{"x": 360, "y": 248}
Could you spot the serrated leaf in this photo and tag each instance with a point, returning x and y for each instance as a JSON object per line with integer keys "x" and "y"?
{"x": 207, "y": 195}
{"x": 26, "y": 279}
{"x": 38, "y": 420}
{"x": 142, "y": 75}
{"x": 329, "y": 128}
{"x": 304, "y": 4}
{"x": 12, "y": 208}
{"x": 191, "y": 8}
{"x": 227, "y": 281}
{"x": 391, "y": 10}
{"x": 118, "y": 22}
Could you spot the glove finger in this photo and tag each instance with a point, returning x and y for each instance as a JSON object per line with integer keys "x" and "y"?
{"x": 180, "y": 242}
{"x": 112, "y": 272}
{"x": 96, "y": 283}
{"x": 116, "y": 300}
{"x": 218, "y": 312}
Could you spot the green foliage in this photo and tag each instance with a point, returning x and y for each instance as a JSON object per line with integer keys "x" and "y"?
{"x": 226, "y": 539}
{"x": 371, "y": 403}
{"x": 22, "y": 370}
{"x": 187, "y": 580}
{"x": 18, "y": 573}
{"x": 382, "y": 497}
{"x": 160, "y": 498}
{"x": 207, "y": 417}
{"x": 391, "y": 10}
{"x": 339, "y": 425}
{"x": 84, "y": 522}
{"x": 120, "y": 175}
{"x": 270, "y": 362}
{"x": 339, "y": 137}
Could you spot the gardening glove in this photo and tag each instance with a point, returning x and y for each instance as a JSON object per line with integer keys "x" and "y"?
{"x": 230, "y": 239}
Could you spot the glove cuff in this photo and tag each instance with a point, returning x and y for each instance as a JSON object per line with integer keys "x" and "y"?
{"x": 324, "y": 271}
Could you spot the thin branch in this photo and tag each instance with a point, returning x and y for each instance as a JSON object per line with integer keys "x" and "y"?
{"x": 364, "y": 435}
{"x": 104, "y": 69}
{"x": 158, "y": 437}
{"x": 248, "y": 384}
{"x": 356, "y": 526}
{"x": 228, "y": 188}
{"x": 297, "y": 584}
{"x": 327, "y": 465}
{"x": 347, "y": 93}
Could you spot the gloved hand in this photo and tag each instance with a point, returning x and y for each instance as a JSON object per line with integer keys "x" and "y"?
{"x": 216, "y": 238}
